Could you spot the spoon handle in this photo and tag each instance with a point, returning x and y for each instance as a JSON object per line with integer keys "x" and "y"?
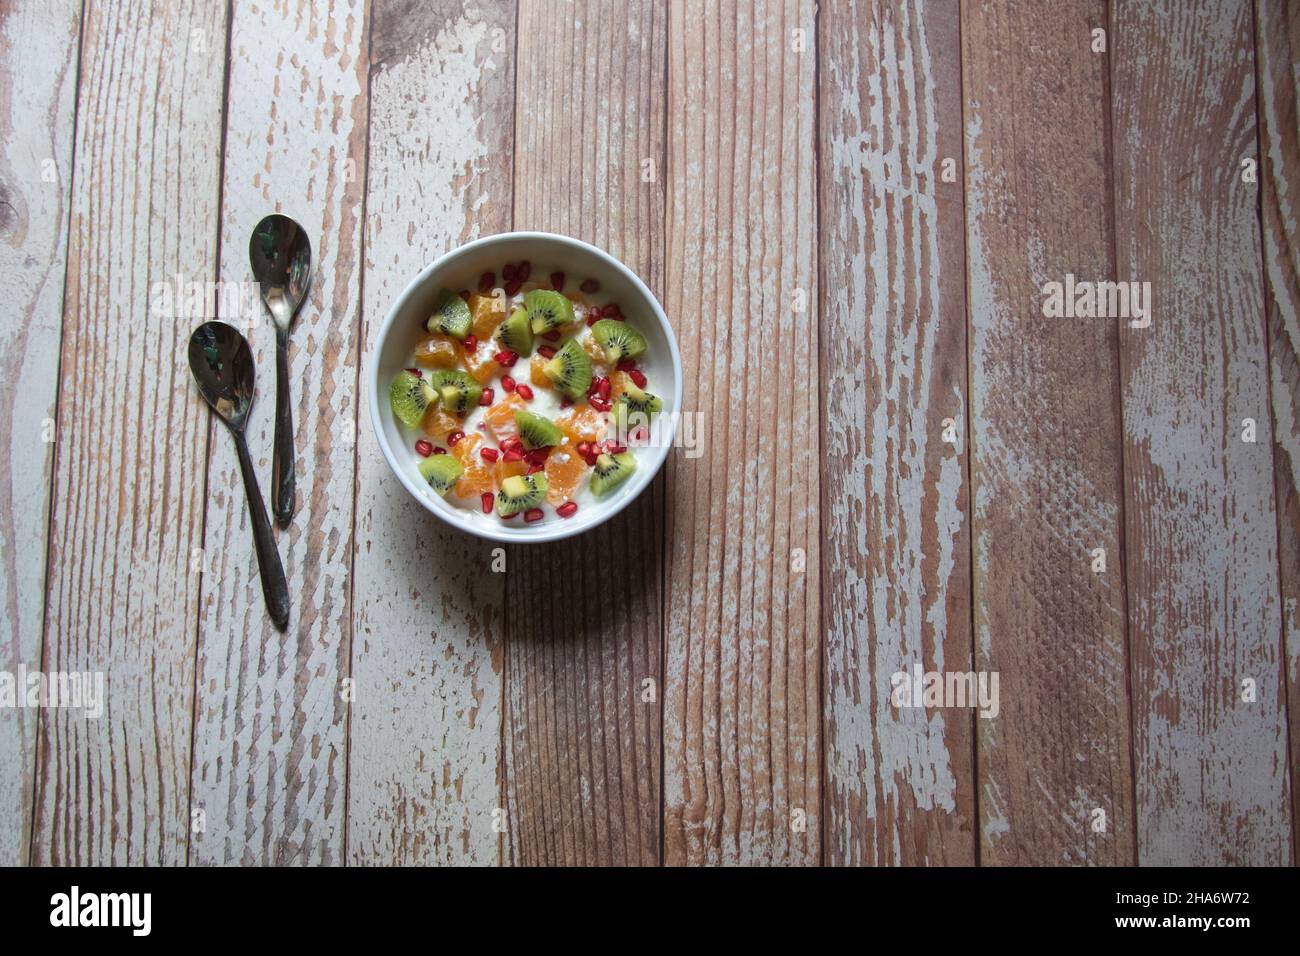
{"x": 282, "y": 483}
{"x": 274, "y": 587}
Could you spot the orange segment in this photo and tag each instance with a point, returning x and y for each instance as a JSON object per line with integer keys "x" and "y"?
{"x": 438, "y": 351}
{"x": 488, "y": 312}
{"x": 619, "y": 383}
{"x": 480, "y": 364}
{"x": 596, "y": 354}
{"x": 504, "y": 469}
{"x": 537, "y": 373}
{"x": 477, "y": 477}
{"x": 582, "y": 423}
{"x": 438, "y": 424}
{"x": 564, "y": 470}
{"x": 500, "y": 418}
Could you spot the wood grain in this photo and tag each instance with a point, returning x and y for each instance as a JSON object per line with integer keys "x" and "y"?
{"x": 900, "y": 783}
{"x": 271, "y": 716}
{"x": 1277, "y": 45}
{"x": 742, "y": 695}
{"x": 1204, "y": 611}
{"x": 425, "y": 753}
{"x": 584, "y": 624}
{"x": 1045, "y": 442}
{"x": 38, "y": 93}
{"x": 128, "y": 486}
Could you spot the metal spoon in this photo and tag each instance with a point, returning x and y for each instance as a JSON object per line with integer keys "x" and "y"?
{"x": 280, "y": 253}
{"x": 222, "y": 364}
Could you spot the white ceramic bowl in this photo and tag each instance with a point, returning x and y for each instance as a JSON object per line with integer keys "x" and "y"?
{"x": 460, "y": 269}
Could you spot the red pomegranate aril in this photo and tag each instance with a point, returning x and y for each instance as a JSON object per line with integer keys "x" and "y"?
{"x": 614, "y": 448}
{"x": 608, "y": 311}
{"x": 589, "y": 286}
{"x": 546, "y": 351}
{"x": 538, "y": 455}
{"x": 514, "y": 454}
{"x": 439, "y": 450}
{"x": 471, "y": 343}
{"x": 626, "y": 365}
{"x": 464, "y": 294}
{"x": 566, "y": 403}
{"x": 488, "y": 499}
{"x": 454, "y": 437}
{"x": 424, "y": 448}
{"x": 641, "y": 435}
{"x": 523, "y": 271}
{"x": 508, "y": 271}
{"x": 551, "y": 336}
{"x": 416, "y": 372}
{"x": 604, "y": 389}
{"x": 639, "y": 377}
{"x": 488, "y": 454}
{"x": 534, "y": 514}
{"x": 592, "y": 318}
{"x": 557, "y": 281}
{"x": 486, "y": 398}
{"x": 486, "y": 281}
{"x": 535, "y": 467}
{"x": 506, "y": 358}
{"x": 513, "y": 286}
{"x": 595, "y": 387}
{"x": 507, "y": 383}
{"x": 525, "y": 392}
{"x": 599, "y": 405}
{"x": 567, "y": 509}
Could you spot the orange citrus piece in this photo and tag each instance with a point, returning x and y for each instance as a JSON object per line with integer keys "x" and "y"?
{"x": 477, "y": 477}
{"x": 500, "y": 418}
{"x": 488, "y": 313}
{"x": 582, "y": 423}
{"x": 480, "y": 364}
{"x": 619, "y": 383}
{"x": 438, "y": 351}
{"x": 505, "y": 469}
{"x": 439, "y": 423}
{"x": 537, "y": 373}
{"x": 564, "y": 470}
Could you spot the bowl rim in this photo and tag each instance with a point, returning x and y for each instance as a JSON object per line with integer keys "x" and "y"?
{"x": 558, "y": 530}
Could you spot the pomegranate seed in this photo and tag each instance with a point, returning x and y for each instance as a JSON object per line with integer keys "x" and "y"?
{"x": 523, "y": 270}
{"x": 506, "y": 358}
{"x": 535, "y": 467}
{"x": 614, "y": 448}
{"x": 507, "y": 383}
{"x": 537, "y": 456}
{"x": 567, "y": 509}
{"x": 512, "y": 441}
{"x": 424, "y": 448}
{"x": 546, "y": 351}
{"x": 639, "y": 377}
{"x": 486, "y": 281}
{"x": 514, "y": 454}
{"x": 589, "y": 286}
{"x": 464, "y": 294}
{"x": 471, "y": 343}
{"x": 640, "y": 434}
{"x": 626, "y": 365}
{"x": 439, "y": 450}
{"x": 488, "y": 454}
{"x": 557, "y": 281}
{"x": 525, "y": 392}
{"x": 513, "y": 286}
{"x": 592, "y": 318}
{"x": 534, "y": 514}
{"x": 595, "y": 387}
{"x": 551, "y": 336}
{"x": 486, "y": 398}
{"x": 508, "y": 271}
{"x": 416, "y": 372}
{"x": 566, "y": 403}
{"x": 454, "y": 437}
{"x": 604, "y": 389}
{"x": 487, "y": 498}
{"x": 583, "y": 448}
{"x": 609, "y": 311}
{"x": 599, "y": 404}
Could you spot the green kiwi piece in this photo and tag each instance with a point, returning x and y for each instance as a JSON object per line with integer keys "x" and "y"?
{"x": 516, "y": 334}
{"x": 521, "y": 492}
{"x": 635, "y": 401}
{"x": 570, "y": 370}
{"x": 450, "y": 316}
{"x": 441, "y": 472}
{"x": 547, "y": 310}
{"x": 611, "y": 471}
{"x": 618, "y": 339}
{"x": 537, "y": 431}
{"x": 459, "y": 392}
{"x": 410, "y": 397}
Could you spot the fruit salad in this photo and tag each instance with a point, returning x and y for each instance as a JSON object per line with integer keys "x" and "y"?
{"x": 524, "y": 399}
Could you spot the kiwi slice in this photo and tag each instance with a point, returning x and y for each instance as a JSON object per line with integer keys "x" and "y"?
{"x": 611, "y": 471}
{"x": 547, "y": 310}
{"x": 450, "y": 316}
{"x": 537, "y": 431}
{"x": 515, "y": 333}
{"x": 521, "y": 492}
{"x": 635, "y": 400}
{"x": 441, "y": 472}
{"x": 459, "y": 392}
{"x": 618, "y": 339}
{"x": 410, "y": 396}
{"x": 570, "y": 370}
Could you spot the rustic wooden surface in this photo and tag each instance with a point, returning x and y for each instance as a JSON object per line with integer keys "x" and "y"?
{"x": 849, "y": 211}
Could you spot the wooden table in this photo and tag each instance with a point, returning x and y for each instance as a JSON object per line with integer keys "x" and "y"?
{"x": 850, "y": 212}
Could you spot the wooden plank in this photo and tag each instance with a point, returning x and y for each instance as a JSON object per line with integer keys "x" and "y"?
{"x": 583, "y": 617}
{"x": 1045, "y": 442}
{"x": 742, "y": 696}
{"x": 38, "y": 90}
{"x": 128, "y": 499}
{"x": 1277, "y": 46}
{"x": 427, "y": 655}
{"x": 1204, "y": 612}
{"x": 900, "y": 782}
{"x": 270, "y": 720}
